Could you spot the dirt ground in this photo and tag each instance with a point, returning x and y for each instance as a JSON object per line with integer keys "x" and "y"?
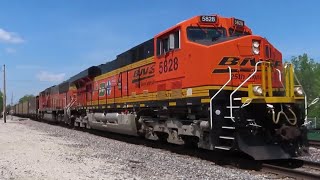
{"x": 36, "y": 150}
{"x": 30, "y": 154}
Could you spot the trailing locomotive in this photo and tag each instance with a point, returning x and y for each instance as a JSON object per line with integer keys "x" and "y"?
{"x": 207, "y": 81}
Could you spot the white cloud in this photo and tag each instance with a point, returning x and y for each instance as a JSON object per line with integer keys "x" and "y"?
{"x": 10, "y": 37}
{"x": 50, "y": 77}
{"x": 10, "y": 50}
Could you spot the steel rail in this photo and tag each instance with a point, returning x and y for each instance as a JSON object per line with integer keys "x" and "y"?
{"x": 311, "y": 164}
{"x": 313, "y": 143}
{"x": 296, "y": 174}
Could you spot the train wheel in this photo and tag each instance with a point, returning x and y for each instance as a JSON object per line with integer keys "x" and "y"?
{"x": 162, "y": 137}
{"x": 71, "y": 123}
{"x": 190, "y": 141}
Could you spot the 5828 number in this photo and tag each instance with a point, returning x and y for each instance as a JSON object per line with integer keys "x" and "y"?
{"x": 208, "y": 19}
{"x": 168, "y": 65}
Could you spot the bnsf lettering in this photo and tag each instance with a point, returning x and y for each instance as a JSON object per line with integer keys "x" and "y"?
{"x": 143, "y": 71}
{"x": 242, "y": 63}
{"x": 246, "y": 60}
{"x": 231, "y": 61}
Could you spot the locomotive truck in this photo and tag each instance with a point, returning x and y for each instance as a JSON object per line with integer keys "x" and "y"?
{"x": 206, "y": 81}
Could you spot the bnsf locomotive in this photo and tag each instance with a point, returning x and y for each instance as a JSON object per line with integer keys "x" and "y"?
{"x": 207, "y": 81}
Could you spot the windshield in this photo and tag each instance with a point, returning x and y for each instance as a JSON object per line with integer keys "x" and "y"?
{"x": 234, "y": 32}
{"x": 204, "y": 35}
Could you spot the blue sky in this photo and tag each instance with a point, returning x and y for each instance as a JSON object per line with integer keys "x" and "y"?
{"x": 45, "y": 42}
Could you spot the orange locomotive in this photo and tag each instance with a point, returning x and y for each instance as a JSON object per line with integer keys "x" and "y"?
{"x": 206, "y": 81}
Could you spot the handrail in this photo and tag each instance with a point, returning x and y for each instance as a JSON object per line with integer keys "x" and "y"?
{"x": 68, "y": 106}
{"x": 305, "y": 100}
{"x": 230, "y": 77}
{"x": 70, "y": 103}
{"x": 280, "y": 77}
{"x": 255, "y": 71}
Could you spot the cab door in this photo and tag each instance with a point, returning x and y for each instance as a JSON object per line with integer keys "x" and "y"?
{"x": 169, "y": 61}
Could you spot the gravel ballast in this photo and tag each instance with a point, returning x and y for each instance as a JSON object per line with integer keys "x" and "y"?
{"x": 36, "y": 150}
{"x": 314, "y": 155}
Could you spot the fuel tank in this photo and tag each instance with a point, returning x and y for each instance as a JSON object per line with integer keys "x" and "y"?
{"x": 114, "y": 122}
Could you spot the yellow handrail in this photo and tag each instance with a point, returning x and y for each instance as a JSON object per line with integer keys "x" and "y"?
{"x": 270, "y": 88}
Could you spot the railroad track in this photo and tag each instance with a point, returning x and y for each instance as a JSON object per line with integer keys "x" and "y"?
{"x": 308, "y": 170}
{"x": 314, "y": 143}
{"x": 297, "y": 169}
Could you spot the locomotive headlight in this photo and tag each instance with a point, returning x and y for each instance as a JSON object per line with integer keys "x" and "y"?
{"x": 256, "y": 47}
{"x": 256, "y": 50}
{"x": 257, "y": 90}
{"x": 298, "y": 91}
{"x": 255, "y": 44}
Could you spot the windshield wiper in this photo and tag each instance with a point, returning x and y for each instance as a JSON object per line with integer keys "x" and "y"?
{"x": 202, "y": 28}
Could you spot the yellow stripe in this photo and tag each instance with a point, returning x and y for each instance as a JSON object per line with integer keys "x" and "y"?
{"x": 125, "y": 68}
{"x": 196, "y": 92}
{"x": 172, "y": 103}
{"x": 205, "y": 100}
{"x": 273, "y": 99}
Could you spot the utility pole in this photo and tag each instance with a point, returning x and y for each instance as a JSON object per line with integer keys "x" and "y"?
{"x": 11, "y": 107}
{"x": 4, "y": 95}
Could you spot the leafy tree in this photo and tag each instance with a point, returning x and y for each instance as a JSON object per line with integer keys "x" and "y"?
{"x": 26, "y": 98}
{"x": 308, "y": 73}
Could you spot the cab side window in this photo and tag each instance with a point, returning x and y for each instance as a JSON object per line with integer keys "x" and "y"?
{"x": 168, "y": 43}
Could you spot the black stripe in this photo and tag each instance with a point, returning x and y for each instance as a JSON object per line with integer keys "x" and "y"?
{"x": 223, "y": 70}
{"x": 246, "y": 70}
{"x": 140, "y": 79}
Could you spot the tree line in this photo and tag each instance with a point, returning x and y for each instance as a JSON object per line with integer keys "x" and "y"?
{"x": 307, "y": 71}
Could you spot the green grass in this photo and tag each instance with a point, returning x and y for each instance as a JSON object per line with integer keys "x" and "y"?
{"x": 314, "y": 135}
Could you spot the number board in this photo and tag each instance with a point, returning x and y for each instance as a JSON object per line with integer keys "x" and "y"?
{"x": 208, "y": 19}
{"x": 168, "y": 65}
{"x": 238, "y": 22}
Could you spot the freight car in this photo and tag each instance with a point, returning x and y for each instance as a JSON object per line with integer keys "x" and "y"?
{"x": 27, "y": 108}
{"x": 207, "y": 81}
